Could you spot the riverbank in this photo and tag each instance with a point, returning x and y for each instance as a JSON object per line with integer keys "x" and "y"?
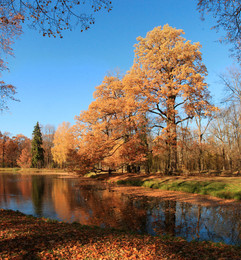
{"x": 193, "y": 189}
{"x": 27, "y": 237}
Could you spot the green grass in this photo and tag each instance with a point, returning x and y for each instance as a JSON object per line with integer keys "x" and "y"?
{"x": 223, "y": 188}
{"x": 92, "y": 175}
{"x": 130, "y": 182}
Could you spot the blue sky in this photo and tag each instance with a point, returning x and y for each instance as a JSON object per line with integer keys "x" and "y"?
{"x": 56, "y": 78}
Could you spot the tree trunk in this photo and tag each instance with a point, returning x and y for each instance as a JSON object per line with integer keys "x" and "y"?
{"x": 224, "y": 160}
{"x": 171, "y": 135}
{"x": 200, "y": 157}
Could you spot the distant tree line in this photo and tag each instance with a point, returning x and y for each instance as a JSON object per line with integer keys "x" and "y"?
{"x": 21, "y": 151}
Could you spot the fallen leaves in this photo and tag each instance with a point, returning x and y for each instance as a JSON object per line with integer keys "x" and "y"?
{"x": 26, "y": 237}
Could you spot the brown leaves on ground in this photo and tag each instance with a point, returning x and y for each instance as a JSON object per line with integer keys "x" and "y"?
{"x": 26, "y": 237}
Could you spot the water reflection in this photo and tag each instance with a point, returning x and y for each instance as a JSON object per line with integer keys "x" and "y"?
{"x": 37, "y": 193}
{"x": 93, "y": 203}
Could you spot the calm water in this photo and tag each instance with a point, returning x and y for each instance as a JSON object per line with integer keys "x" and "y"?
{"x": 95, "y": 203}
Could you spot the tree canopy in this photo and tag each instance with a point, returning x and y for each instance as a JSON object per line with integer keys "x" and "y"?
{"x": 109, "y": 132}
{"x": 165, "y": 87}
{"x": 52, "y": 16}
{"x": 7, "y": 92}
{"x": 62, "y": 143}
{"x": 167, "y": 80}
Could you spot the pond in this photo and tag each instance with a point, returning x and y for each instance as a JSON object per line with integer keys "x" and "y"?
{"x": 96, "y": 203}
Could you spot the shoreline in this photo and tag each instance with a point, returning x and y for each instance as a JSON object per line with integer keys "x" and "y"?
{"x": 139, "y": 190}
{"x": 129, "y": 184}
{"x": 34, "y": 171}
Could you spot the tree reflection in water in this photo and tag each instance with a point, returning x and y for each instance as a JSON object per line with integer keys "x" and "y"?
{"x": 94, "y": 203}
{"x": 38, "y": 184}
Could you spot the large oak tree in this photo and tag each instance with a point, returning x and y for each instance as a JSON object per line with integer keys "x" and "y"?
{"x": 167, "y": 80}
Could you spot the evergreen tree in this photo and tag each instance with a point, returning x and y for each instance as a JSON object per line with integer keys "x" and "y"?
{"x": 37, "y": 150}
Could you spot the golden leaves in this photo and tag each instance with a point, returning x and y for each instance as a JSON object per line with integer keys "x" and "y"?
{"x": 164, "y": 87}
{"x": 63, "y": 141}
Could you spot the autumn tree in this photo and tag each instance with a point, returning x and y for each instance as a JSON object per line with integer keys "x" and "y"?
{"x": 62, "y": 142}
{"x": 37, "y": 150}
{"x": 25, "y": 158}
{"x": 23, "y": 154}
{"x": 10, "y": 29}
{"x": 11, "y": 148}
{"x": 167, "y": 80}
{"x": 110, "y": 132}
{"x": 228, "y": 16}
{"x": 22, "y": 141}
{"x": 4, "y": 137}
{"x": 11, "y": 152}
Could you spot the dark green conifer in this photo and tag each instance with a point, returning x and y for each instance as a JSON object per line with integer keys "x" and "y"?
{"x": 37, "y": 149}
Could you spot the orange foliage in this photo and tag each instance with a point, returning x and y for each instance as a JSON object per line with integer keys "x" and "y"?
{"x": 110, "y": 131}
{"x": 59, "y": 240}
{"x": 63, "y": 141}
{"x": 168, "y": 81}
{"x": 11, "y": 148}
{"x": 165, "y": 87}
{"x": 24, "y": 161}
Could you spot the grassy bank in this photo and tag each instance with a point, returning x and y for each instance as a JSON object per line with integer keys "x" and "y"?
{"x": 221, "y": 187}
{"x": 26, "y": 237}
